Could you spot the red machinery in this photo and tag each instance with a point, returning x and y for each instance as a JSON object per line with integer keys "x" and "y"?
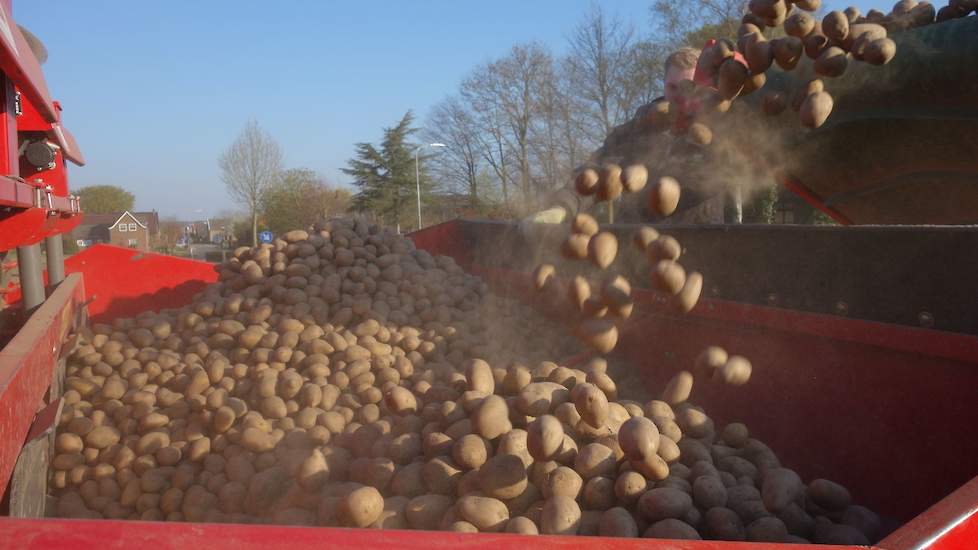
{"x": 34, "y": 199}
{"x": 851, "y": 382}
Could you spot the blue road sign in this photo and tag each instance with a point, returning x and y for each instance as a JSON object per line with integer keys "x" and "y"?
{"x": 265, "y": 237}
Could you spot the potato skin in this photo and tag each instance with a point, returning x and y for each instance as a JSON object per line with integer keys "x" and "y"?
{"x": 560, "y": 516}
{"x": 488, "y": 515}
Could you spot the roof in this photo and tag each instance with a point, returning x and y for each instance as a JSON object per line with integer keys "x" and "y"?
{"x": 150, "y": 220}
{"x": 134, "y": 218}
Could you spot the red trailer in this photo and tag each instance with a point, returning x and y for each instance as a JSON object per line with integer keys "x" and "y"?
{"x": 864, "y": 344}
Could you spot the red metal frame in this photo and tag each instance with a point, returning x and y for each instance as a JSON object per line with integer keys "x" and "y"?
{"x": 27, "y": 366}
{"x": 809, "y": 196}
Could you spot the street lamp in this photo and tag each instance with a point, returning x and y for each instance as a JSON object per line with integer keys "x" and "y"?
{"x": 417, "y": 173}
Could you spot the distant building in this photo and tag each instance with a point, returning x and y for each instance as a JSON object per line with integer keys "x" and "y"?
{"x": 129, "y": 229}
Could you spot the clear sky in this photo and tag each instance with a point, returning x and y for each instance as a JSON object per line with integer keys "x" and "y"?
{"x": 155, "y": 91}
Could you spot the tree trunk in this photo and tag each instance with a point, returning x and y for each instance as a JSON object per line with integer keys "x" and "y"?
{"x": 254, "y": 227}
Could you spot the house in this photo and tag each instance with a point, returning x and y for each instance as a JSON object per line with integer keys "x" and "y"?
{"x": 130, "y": 229}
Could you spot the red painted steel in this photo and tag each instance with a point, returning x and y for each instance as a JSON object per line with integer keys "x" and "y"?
{"x": 26, "y": 534}
{"x": 814, "y": 200}
{"x": 19, "y": 64}
{"x": 123, "y": 282}
{"x": 951, "y": 523}
{"x": 443, "y": 239}
{"x": 27, "y": 366}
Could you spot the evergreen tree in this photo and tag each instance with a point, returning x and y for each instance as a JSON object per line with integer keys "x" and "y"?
{"x": 385, "y": 176}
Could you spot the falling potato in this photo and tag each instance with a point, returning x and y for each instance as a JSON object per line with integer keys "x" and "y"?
{"x": 832, "y": 63}
{"x": 733, "y": 75}
{"x": 787, "y": 51}
{"x": 759, "y": 55}
{"x": 634, "y": 177}
{"x": 586, "y": 182}
{"x": 668, "y": 276}
{"x": 816, "y": 109}
{"x": 575, "y": 246}
{"x": 603, "y": 249}
{"x": 835, "y": 26}
{"x": 799, "y": 24}
{"x": 880, "y": 52}
{"x": 644, "y": 237}
{"x": 689, "y": 296}
{"x": 578, "y": 291}
{"x": 584, "y": 224}
{"x": 699, "y": 134}
{"x": 774, "y": 103}
{"x": 542, "y": 275}
{"x": 802, "y": 92}
{"x": 664, "y": 196}
{"x": 601, "y": 335}
{"x": 808, "y": 5}
{"x": 609, "y": 183}
{"x": 815, "y": 43}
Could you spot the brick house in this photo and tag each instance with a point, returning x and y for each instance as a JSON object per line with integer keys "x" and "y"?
{"x": 128, "y": 229}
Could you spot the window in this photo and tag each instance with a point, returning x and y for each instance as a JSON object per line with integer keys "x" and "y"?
{"x": 132, "y": 227}
{"x": 122, "y": 227}
{"x": 133, "y": 243}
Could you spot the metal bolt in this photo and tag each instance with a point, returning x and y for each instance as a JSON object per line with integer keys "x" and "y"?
{"x": 772, "y": 299}
{"x": 841, "y": 308}
{"x": 714, "y": 290}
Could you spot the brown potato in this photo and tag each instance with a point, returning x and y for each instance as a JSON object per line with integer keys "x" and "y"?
{"x": 671, "y": 529}
{"x": 575, "y": 247}
{"x": 609, "y": 183}
{"x": 578, "y": 291}
{"x": 600, "y": 334}
{"x": 808, "y": 5}
{"x": 665, "y": 247}
{"x": 664, "y": 196}
{"x": 361, "y": 507}
{"x": 774, "y": 103}
{"x": 880, "y": 51}
{"x": 540, "y": 398}
{"x": 638, "y": 438}
{"x": 689, "y": 296}
{"x": 591, "y": 403}
{"x": 723, "y": 524}
{"x": 816, "y": 43}
{"x": 426, "y": 511}
{"x": 759, "y": 54}
{"x": 602, "y": 249}
{"x": 522, "y": 526}
{"x": 545, "y": 436}
{"x": 488, "y": 515}
{"x": 699, "y": 134}
{"x": 816, "y": 109}
{"x": 835, "y": 26}
{"x": 799, "y": 24}
{"x": 563, "y": 481}
{"x": 733, "y": 75}
{"x": 491, "y": 418}
{"x": 594, "y": 460}
{"x": 471, "y": 451}
{"x": 832, "y": 62}
{"x": 678, "y": 389}
{"x": 668, "y": 277}
{"x": 401, "y": 401}
{"x": 560, "y": 516}
{"x": 787, "y": 51}
{"x": 828, "y": 494}
{"x": 779, "y": 488}
{"x": 584, "y": 224}
{"x": 503, "y": 476}
{"x": 644, "y": 237}
{"x": 634, "y": 177}
{"x": 480, "y": 377}
{"x": 586, "y": 181}
{"x": 542, "y": 275}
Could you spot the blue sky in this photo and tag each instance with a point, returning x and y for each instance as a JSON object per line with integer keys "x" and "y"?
{"x": 155, "y": 91}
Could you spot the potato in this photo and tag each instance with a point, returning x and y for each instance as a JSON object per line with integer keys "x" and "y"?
{"x": 471, "y": 451}
{"x": 609, "y": 183}
{"x": 689, "y": 296}
{"x": 491, "y": 418}
{"x": 594, "y": 460}
{"x": 664, "y": 248}
{"x": 542, "y": 275}
{"x": 644, "y": 237}
{"x": 880, "y": 51}
{"x": 671, "y": 529}
{"x": 578, "y": 291}
{"x": 774, "y": 103}
{"x": 479, "y": 376}
{"x": 664, "y": 503}
{"x": 699, "y": 134}
{"x": 540, "y": 398}
{"x": 503, "y": 476}
{"x": 799, "y": 24}
{"x": 616, "y": 293}
{"x": 638, "y": 438}
{"x": 561, "y": 515}
{"x": 599, "y": 493}
{"x": 601, "y": 335}
{"x": 861, "y": 518}
{"x": 629, "y": 486}
{"x": 736, "y": 371}
{"x": 426, "y": 511}
{"x": 759, "y": 55}
{"x": 815, "y": 43}
{"x": 591, "y": 403}
{"x": 828, "y": 494}
{"x": 586, "y": 181}
{"x": 664, "y": 196}
{"x": 668, "y": 277}
{"x": 735, "y": 434}
{"x": 441, "y": 476}
{"x": 634, "y": 177}
{"x": 521, "y": 526}
{"x": 733, "y": 75}
{"x": 829, "y": 533}
{"x": 766, "y": 529}
{"x": 463, "y": 527}
{"x": 545, "y": 436}
{"x": 602, "y": 249}
{"x": 617, "y": 522}
{"x": 575, "y": 247}
{"x": 779, "y": 488}
{"x": 709, "y": 492}
{"x": 723, "y": 524}
{"x": 787, "y": 51}
{"x": 486, "y": 514}
{"x": 835, "y": 26}
{"x": 68, "y": 443}
{"x": 563, "y": 481}
{"x": 832, "y": 62}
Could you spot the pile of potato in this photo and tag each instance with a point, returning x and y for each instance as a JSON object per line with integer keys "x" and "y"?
{"x": 342, "y": 378}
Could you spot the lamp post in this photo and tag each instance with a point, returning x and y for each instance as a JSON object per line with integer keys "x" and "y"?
{"x": 417, "y": 173}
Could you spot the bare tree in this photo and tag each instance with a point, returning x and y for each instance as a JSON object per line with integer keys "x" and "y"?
{"x": 249, "y": 167}
{"x": 692, "y": 23}
{"x": 452, "y": 123}
{"x": 600, "y": 65}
